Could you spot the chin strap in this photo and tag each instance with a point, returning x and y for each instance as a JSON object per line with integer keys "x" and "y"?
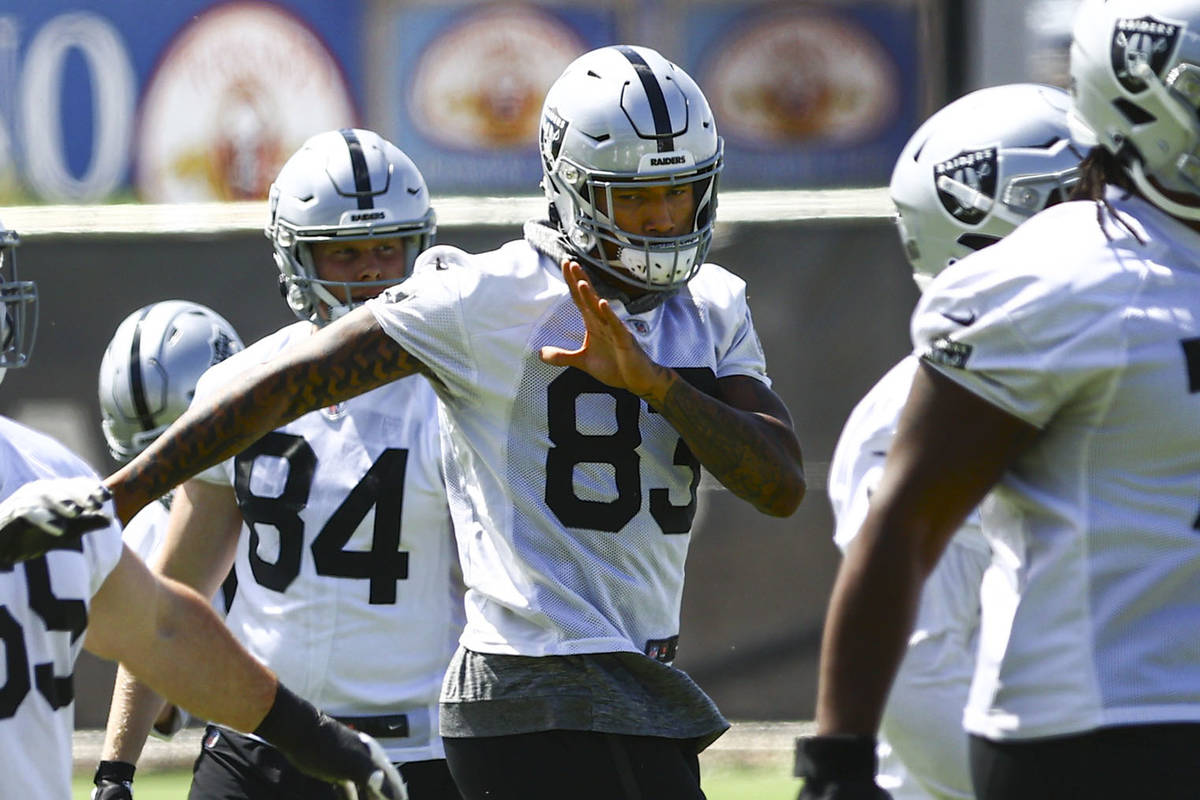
{"x": 550, "y": 242}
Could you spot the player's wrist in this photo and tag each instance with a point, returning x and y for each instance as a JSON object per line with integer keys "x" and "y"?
{"x": 835, "y": 758}
{"x": 313, "y": 741}
{"x": 114, "y": 771}
{"x": 113, "y": 780}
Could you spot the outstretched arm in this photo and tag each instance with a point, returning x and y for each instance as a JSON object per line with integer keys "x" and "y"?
{"x": 743, "y": 436}
{"x": 340, "y": 361}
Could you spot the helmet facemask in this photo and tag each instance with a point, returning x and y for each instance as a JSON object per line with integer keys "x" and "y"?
{"x": 647, "y": 262}
{"x": 322, "y": 301}
{"x": 18, "y": 323}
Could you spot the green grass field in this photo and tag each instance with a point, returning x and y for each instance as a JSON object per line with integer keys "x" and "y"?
{"x": 720, "y": 783}
{"x": 752, "y": 761}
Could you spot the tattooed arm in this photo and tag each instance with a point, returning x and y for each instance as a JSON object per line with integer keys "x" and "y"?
{"x": 743, "y": 436}
{"x": 340, "y": 361}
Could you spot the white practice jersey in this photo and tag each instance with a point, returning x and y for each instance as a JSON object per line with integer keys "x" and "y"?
{"x": 861, "y": 449}
{"x": 147, "y": 530}
{"x": 1091, "y": 608}
{"x": 572, "y": 501}
{"x": 347, "y": 581}
{"x": 922, "y": 745}
{"x": 43, "y": 612}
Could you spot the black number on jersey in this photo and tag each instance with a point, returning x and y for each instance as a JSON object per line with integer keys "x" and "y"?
{"x": 382, "y": 488}
{"x": 68, "y": 616}
{"x": 384, "y": 564}
{"x": 617, "y": 449}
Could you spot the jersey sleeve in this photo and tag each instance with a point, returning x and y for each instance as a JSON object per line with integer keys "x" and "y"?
{"x": 1020, "y": 329}
{"x": 740, "y": 350}
{"x": 425, "y": 315}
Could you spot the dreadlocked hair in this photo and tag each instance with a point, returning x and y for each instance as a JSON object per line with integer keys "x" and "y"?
{"x": 1100, "y": 169}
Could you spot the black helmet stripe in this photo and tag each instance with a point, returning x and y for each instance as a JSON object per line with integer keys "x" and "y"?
{"x": 654, "y": 93}
{"x": 362, "y": 177}
{"x": 137, "y": 384}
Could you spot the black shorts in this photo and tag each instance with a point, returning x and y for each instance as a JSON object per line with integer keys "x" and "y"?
{"x": 1119, "y": 763}
{"x": 235, "y": 767}
{"x": 582, "y": 765}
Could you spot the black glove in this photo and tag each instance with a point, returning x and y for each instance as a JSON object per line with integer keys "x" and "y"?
{"x": 320, "y": 746}
{"x": 114, "y": 781}
{"x": 50, "y": 514}
{"x": 838, "y": 768}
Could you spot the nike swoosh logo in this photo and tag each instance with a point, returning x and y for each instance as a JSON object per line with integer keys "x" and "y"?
{"x": 414, "y": 191}
{"x": 965, "y": 320}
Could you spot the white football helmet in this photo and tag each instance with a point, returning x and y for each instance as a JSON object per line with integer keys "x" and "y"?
{"x": 622, "y": 117}
{"x": 978, "y": 168}
{"x": 1135, "y": 81}
{"x": 346, "y": 184}
{"x": 150, "y": 368}
{"x": 18, "y": 322}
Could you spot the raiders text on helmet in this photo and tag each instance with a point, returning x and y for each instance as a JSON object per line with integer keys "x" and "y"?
{"x": 619, "y": 118}
{"x": 979, "y": 167}
{"x": 1135, "y": 80}
{"x": 349, "y": 184}
{"x": 149, "y": 370}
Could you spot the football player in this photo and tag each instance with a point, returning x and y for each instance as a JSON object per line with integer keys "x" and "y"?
{"x": 1017, "y": 140}
{"x": 148, "y": 376}
{"x": 586, "y": 373}
{"x": 336, "y": 523}
{"x": 1059, "y": 371}
{"x": 95, "y": 593}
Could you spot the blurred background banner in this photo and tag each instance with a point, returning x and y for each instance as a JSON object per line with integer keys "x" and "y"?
{"x": 467, "y": 83}
{"x": 815, "y": 94}
{"x": 163, "y": 102}
{"x": 194, "y": 100}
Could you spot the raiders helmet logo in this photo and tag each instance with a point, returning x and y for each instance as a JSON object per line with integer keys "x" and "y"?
{"x": 222, "y": 347}
{"x": 550, "y": 136}
{"x": 966, "y": 184}
{"x": 1144, "y": 40}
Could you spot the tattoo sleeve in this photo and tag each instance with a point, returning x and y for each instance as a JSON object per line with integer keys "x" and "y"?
{"x": 754, "y": 454}
{"x": 341, "y": 361}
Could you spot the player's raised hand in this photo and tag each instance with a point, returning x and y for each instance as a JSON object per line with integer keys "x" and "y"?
{"x": 609, "y": 352}
{"x": 51, "y": 513}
